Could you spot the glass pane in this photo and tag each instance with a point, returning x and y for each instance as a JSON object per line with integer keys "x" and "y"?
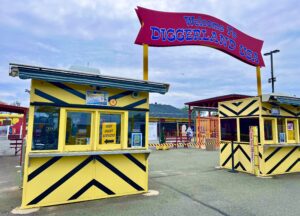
{"x": 245, "y": 124}
{"x": 281, "y": 130}
{"x": 136, "y": 128}
{"x": 110, "y": 128}
{"x": 78, "y": 131}
{"x": 291, "y": 130}
{"x": 45, "y": 128}
{"x": 268, "y": 129}
{"x": 228, "y": 129}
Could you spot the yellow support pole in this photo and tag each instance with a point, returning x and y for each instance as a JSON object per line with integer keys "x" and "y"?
{"x": 258, "y": 77}
{"x": 145, "y": 61}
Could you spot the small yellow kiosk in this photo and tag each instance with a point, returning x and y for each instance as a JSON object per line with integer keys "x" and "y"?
{"x": 87, "y": 136}
{"x": 265, "y": 134}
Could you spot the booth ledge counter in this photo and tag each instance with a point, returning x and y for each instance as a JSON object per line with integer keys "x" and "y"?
{"x": 87, "y": 135}
{"x": 265, "y": 134}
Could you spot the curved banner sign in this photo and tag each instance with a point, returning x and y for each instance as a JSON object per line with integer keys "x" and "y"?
{"x": 177, "y": 29}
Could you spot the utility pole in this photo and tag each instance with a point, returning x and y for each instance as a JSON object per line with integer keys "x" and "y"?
{"x": 272, "y": 79}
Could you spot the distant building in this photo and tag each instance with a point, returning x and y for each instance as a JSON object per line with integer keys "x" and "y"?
{"x": 167, "y": 118}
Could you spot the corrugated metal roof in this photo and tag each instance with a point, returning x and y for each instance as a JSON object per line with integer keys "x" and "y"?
{"x": 281, "y": 99}
{"x": 77, "y": 77}
{"x": 166, "y": 111}
{"x": 213, "y": 102}
{"x": 289, "y": 100}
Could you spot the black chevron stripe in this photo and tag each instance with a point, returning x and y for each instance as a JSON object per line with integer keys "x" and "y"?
{"x": 291, "y": 167}
{"x": 234, "y": 151}
{"x": 118, "y": 173}
{"x": 272, "y": 154}
{"x": 60, "y": 181}
{"x": 288, "y": 111}
{"x": 239, "y": 164}
{"x": 246, "y": 107}
{"x": 229, "y": 109}
{"x": 42, "y": 168}
{"x": 254, "y": 111}
{"x": 260, "y": 155}
{"x": 223, "y": 114}
{"x": 90, "y": 184}
{"x": 120, "y": 95}
{"x": 224, "y": 146}
{"x": 135, "y": 104}
{"x": 136, "y": 162}
{"x": 282, "y": 160}
{"x": 237, "y": 103}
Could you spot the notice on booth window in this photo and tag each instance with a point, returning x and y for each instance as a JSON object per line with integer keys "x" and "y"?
{"x": 136, "y": 140}
{"x": 99, "y": 98}
{"x": 109, "y": 132}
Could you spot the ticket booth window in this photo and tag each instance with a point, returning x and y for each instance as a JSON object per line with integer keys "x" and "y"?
{"x": 268, "y": 129}
{"x": 110, "y": 129}
{"x": 136, "y": 129}
{"x": 228, "y": 129}
{"x": 291, "y": 130}
{"x": 45, "y": 128}
{"x": 78, "y": 129}
{"x": 245, "y": 124}
{"x": 281, "y": 130}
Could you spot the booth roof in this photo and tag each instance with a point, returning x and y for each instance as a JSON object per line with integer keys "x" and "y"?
{"x": 81, "y": 78}
{"x": 281, "y": 99}
{"x": 213, "y": 102}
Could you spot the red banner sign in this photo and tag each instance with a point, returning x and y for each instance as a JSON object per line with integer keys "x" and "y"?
{"x": 176, "y": 29}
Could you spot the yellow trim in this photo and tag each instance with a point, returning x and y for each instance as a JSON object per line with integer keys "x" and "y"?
{"x": 147, "y": 132}
{"x": 145, "y": 61}
{"x": 296, "y": 129}
{"x": 124, "y": 124}
{"x": 74, "y": 147}
{"x": 274, "y": 131}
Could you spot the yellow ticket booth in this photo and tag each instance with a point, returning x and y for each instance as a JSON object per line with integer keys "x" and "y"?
{"x": 272, "y": 146}
{"x": 87, "y": 136}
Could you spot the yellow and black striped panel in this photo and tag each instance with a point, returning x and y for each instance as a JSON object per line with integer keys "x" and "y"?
{"x": 58, "y": 180}
{"x": 285, "y": 110}
{"x": 243, "y": 107}
{"x": 280, "y": 160}
{"x": 71, "y": 95}
{"x": 241, "y": 152}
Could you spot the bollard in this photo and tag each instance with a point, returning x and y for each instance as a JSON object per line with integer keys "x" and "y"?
{"x": 232, "y": 156}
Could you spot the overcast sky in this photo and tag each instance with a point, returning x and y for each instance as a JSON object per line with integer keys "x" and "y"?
{"x": 55, "y": 33}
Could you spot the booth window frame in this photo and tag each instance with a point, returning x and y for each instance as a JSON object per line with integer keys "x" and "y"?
{"x": 95, "y": 131}
{"x": 63, "y": 130}
{"x": 296, "y": 130}
{"x": 274, "y": 130}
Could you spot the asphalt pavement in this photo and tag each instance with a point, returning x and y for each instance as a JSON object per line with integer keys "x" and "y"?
{"x": 188, "y": 184}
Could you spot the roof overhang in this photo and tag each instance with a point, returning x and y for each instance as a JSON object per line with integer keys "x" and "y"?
{"x": 281, "y": 99}
{"x": 13, "y": 109}
{"x": 81, "y": 78}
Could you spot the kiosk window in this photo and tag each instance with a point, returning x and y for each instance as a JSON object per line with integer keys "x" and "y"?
{"x": 281, "y": 130}
{"x": 245, "y": 124}
{"x": 45, "y": 128}
{"x": 78, "y": 130}
{"x": 110, "y": 128}
{"x": 228, "y": 129}
{"x": 136, "y": 129}
{"x": 291, "y": 128}
{"x": 268, "y": 126}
